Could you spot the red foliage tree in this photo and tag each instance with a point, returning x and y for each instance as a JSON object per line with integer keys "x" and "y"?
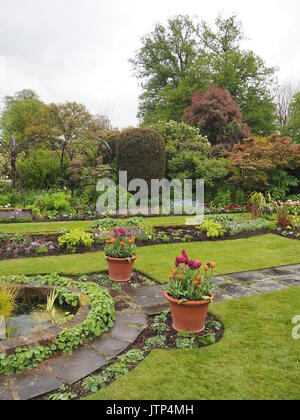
{"x": 255, "y": 160}
{"x": 217, "y": 115}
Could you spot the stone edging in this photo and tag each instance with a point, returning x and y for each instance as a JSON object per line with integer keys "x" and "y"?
{"x": 47, "y": 336}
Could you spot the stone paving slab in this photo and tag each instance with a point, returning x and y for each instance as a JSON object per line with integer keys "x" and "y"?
{"x": 151, "y": 299}
{"x": 220, "y": 296}
{"x": 288, "y": 270}
{"x": 290, "y": 280}
{"x": 126, "y": 333}
{"x": 237, "y": 291}
{"x": 5, "y": 394}
{"x": 30, "y": 385}
{"x": 217, "y": 281}
{"x": 247, "y": 277}
{"x": 268, "y": 286}
{"x": 82, "y": 363}
{"x": 109, "y": 347}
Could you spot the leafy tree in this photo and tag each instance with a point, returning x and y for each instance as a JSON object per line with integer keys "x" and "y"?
{"x": 39, "y": 170}
{"x": 293, "y": 126}
{"x": 178, "y": 139}
{"x": 265, "y": 164}
{"x": 216, "y": 114}
{"x": 64, "y": 128}
{"x": 215, "y": 58}
{"x": 18, "y": 111}
{"x": 164, "y": 59}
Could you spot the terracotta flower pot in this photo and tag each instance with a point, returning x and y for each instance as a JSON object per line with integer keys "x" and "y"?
{"x": 188, "y": 316}
{"x": 120, "y": 269}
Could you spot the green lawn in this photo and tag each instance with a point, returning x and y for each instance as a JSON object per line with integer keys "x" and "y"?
{"x": 156, "y": 261}
{"x": 257, "y": 358}
{"x": 86, "y": 224}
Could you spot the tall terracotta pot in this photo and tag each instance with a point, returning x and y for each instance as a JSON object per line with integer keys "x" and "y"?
{"x": 120, "y": 269}
{"x": 188, "y": 316}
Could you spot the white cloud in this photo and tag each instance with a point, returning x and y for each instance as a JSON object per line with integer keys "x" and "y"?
{"x": 79, "y": 49}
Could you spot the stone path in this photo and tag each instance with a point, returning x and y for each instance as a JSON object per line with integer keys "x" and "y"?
{"x": 130, "y": 323}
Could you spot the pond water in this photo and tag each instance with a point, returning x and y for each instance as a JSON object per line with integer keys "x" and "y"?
{"x": 37, "y": 320}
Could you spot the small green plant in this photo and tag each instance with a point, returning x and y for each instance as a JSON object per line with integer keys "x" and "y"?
{"x": 93, "y": 383}
{"x": 8, "y": 297}
{"x": 50, "y": 308}
{"x": 159, "y": 325}
{"x": 106, "y": 282}
{"x": 212, "y": 229}
{"x": 186, "y": 341}
{"x": 155, "y": 342}
{"x": 74, "y": 239}
{"x": 214, "y": 325}
{"x": 115, "y": 371}
{"x": 135, "y": 285}
{"x": 186, "y": 238}
{"x": 66, "y": 396}
{"x": 207, "y": 339}
{"x": 132, "y": 357}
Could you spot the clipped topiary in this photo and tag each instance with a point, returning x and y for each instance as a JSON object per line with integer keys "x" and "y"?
{"x": 141, "y": 152}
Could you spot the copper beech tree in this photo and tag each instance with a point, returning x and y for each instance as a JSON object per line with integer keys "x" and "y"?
{"x": 218, "y": 116}
{"x": 256, "y": 160}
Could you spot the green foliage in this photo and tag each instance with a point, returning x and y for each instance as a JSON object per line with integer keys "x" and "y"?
{"x": 293, "y": 127}
{"x": 115, "y": 371}
{"x": 181, "y": 143}
{"x": 186, "y": 341}
{"x": 66, "y": 396}
{"x": 111, "y": 223}
{"x": 8, "y": 298}
{"x": 40, "y": 170}
{"x": 132, "y": 357}
{"x": 74, "y": 239}
{"x": 100, "y": 318}
{"x": 155, "y": 342}
{"x": 93, "y": 383}
{"x": 159, "y": 325}
{"x": 62, "y": 395}
{"x": 212, "y": 229}
{"x": 141, "y": 153}
{"x": 177, "y": 59}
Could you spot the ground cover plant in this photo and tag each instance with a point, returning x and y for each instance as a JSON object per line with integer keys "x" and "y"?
{"x": 100, "y": 318}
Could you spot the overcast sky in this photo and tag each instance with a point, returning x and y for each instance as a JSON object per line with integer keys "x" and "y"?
{"x": 79, "y": 49}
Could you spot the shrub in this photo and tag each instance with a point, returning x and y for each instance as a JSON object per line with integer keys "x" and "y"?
{"x": 212, "y": 229}
{"x": 76, "y": 238}
{"x": 41, "y": 169}
{"x": 283, "y": 217}
{"x": 141, "y": 152}
{"x": 217, "y": 115}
